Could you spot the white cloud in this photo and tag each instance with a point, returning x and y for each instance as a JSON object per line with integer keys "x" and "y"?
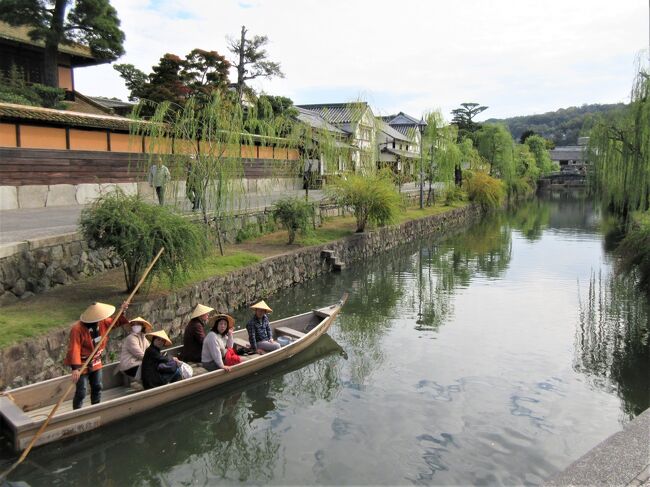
{"x": 517, "y": 56}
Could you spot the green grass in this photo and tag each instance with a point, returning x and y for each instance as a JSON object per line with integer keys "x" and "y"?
{"x": 213, "y": 265}
{"x": 415, "y": 213}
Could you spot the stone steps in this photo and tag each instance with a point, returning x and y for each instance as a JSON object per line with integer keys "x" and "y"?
{"x": 332, "y": 259}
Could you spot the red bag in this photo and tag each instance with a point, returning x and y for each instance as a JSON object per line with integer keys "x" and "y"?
{"x": 231, "y": 357}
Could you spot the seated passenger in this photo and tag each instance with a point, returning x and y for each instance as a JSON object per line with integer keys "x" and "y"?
{"x": 217, "y": 342}
{"x": 260, "y": 335}
{"x": 157, "y": 369}
{"x": 195, "y": 333}
{"x": 134, "y": 346}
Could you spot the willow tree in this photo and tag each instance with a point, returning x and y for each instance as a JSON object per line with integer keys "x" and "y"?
{"x": 619, "y": 150}
{"x": 495, "y": 145}
{"x": 205, "y": 144}
{"x": 443, "y": 155}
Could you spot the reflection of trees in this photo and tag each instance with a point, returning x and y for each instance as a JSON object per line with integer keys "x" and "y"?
{"x": 612, "y": 339}
{"x": 218, "y": 436}
{"x": 531, "y": 218}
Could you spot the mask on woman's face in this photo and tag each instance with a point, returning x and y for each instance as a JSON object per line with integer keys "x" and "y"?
{"x": 136, "y": 328}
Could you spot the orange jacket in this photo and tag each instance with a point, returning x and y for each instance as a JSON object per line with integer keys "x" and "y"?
{"x": 81, "y": 344}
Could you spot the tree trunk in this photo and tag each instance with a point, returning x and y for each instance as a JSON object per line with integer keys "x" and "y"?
{"x": 241, "y": 67}
{"x": 52, "y": 40}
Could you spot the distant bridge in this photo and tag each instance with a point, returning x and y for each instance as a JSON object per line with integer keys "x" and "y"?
{"x": 562, "y": 180}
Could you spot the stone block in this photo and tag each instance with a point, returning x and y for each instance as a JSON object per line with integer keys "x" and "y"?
{"x": 7, "y": 250}
{"x": 7, "y": 298}
{"x": 87, "y": 193}
{"x": 130, "y": 189}
{"x": 105, "y": 188}
{"x": 8, "y": 198}
{"x": 146, "y": 192}
{"x": 61, "y": 195}
{"x": 32, "y": 196}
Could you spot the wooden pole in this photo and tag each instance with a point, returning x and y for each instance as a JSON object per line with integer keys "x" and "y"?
{"x": 41, "y": 430}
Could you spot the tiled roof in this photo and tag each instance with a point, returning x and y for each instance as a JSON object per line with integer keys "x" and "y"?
{"x": 568, "y": 152}
{"x": 63, "y": 117}
{"x": 401, "y": 153}
{"x": 111, "y": 103}
{"x": 403, "y": 119}
{"x": 314, "y": 120}
{"x": 339, "y": 112}
{"x": 21, "y": 34}
{"x": 407, "y": 130}
{"x": 391, "y": 132}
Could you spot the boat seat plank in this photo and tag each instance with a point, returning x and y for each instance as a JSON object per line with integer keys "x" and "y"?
{"x": 241, "y": 342}
{"x": 289, "y": 332}
{"x": 66, "y": 406}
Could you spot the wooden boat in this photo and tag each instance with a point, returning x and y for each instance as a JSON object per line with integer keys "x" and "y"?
{"x": 24, "y": 410}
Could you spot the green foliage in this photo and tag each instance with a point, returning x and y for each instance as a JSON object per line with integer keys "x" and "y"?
{"x": 90, "y": 22}
{"x": 495, "y": 145}
{"x": 137, "y": 230}
{"x": 251, "y": 60}
{"x": 254, "y": 230}
{"x": 619, "y": 149}
{"x": 372, "y": 197}
{"x": 539, "y": 148}
{"x": 485, "y": 190}
{"x": 454, "y": 194}
{"x": 294, "y": 214}
{"x": 563, "y": 126}
{"x": 14, "y": 89}
{"x": 176, "y": 80}
{"x": 634, "y": 249}
{"x": 464, "y": 118}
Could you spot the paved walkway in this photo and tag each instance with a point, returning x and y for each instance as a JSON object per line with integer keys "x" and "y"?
{"x": 27, "y": 224}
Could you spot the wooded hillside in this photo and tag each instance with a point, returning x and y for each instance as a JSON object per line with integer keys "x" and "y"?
{"x": 562, "y": 126}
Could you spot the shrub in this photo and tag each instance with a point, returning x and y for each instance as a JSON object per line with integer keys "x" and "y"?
{"x": 14, "y": 89}
{"x": 294, "y": 214}
{"x": 454, "y": 194}
{"x": 136, "y": 231}
{"x": 372, "y": 197}
{"x": 485, "y": 190}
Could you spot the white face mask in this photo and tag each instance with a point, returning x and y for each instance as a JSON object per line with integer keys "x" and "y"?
{"x": 136, "y": 328}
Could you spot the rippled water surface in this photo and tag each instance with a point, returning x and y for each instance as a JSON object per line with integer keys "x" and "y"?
{"x": 496, "y": 356}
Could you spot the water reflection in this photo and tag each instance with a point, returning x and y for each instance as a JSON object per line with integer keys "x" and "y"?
{"x": 612, "y": 343}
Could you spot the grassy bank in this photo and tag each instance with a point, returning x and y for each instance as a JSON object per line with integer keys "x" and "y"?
{"x": 63, "y": 305}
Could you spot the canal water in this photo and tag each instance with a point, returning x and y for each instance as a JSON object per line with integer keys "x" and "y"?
{"x": 496, "y": 356}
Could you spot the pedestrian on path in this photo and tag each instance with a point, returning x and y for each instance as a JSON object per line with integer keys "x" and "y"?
{"x": 158, "y": 178}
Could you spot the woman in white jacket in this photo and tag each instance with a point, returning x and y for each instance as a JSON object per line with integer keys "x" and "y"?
{"x": 134, "y": 346}
{"x": 217, "y": 342}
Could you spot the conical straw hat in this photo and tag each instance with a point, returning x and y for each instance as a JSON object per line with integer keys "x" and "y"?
{"x": 97, "y": 312}
{"x": 262, "y": 305}
{"x": 145, "y": 324}
{"x": 160, "y": 334}
{"x": 200, "y": 310}
{"x": 223, "y": 316}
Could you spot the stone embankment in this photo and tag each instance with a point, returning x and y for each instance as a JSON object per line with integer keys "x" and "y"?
{"x": 42, "y": 357}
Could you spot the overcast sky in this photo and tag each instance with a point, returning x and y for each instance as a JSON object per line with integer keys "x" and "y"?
{"x": 518, "y": 57}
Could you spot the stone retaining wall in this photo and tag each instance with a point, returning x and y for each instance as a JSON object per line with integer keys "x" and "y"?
{"x": 42, "y": 358}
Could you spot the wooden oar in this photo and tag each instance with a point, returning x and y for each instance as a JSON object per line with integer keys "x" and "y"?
{"x": 83, "y": 368}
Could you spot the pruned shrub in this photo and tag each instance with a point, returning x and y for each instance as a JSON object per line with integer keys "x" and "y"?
{"x": 136, "y": 231}
{"x": 485, "y": 190}
{"x": 372, "y": 197}
{"x": 294, "y": 214}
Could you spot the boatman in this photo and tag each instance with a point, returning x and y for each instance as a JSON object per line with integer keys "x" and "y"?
{"x": 260, "y": 335}
{"x": 84, "y": 336}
